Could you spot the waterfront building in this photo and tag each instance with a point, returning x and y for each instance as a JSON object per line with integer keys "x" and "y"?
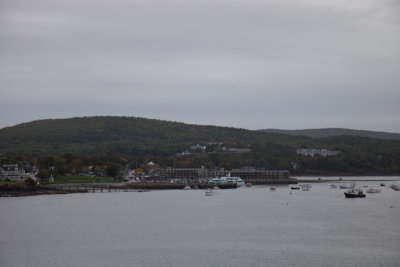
{"x": 186, "y": 173}
{"x": 11, "y": 172}
{"x": 260, "y": 176}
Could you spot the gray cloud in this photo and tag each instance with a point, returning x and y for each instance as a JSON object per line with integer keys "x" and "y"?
{"x": 252, "y": 64}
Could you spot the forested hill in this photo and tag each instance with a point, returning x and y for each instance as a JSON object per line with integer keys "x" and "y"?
{"x": 119, "y": 135}
{"x": 328, "y": 132}
{"x": 129, "y": 140}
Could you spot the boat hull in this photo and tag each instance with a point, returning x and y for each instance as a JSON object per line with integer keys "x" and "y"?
{"x": 353, "y": 195}
{"x": 227, "y": 185}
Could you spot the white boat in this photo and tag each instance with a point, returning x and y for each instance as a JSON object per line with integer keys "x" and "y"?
{"x": 305, "y": 187}
{"x": 236, "y": 180}
{"x": 218, "y": 180}
{"x": 228, "y": 179}
{"x": 373, "y": 190}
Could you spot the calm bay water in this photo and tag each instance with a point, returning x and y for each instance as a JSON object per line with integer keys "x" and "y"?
{"x": 237, "y": 227}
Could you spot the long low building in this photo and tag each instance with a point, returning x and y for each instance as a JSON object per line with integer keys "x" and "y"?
{"x": 260, "y": 176}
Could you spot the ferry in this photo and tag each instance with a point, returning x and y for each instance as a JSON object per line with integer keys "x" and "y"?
{"x": 228, "y": 179}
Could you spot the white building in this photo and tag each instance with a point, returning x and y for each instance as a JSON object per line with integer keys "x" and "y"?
{"x": 198, "y": 148}
{"x": 312, "y": 152}
{"x": 13, "y": 173}
{"x": 130, "y": 175}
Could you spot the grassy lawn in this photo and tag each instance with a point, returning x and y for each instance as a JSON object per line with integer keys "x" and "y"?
{"x": 9, "y": 182}
{"x": 81, "y": 179}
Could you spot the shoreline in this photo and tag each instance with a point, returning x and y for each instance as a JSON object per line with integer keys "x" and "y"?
{"x": 55, "y": 189}
{"x": 23, "y": 190}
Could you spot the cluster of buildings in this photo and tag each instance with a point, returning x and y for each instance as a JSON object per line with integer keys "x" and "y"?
{"x": 313, "y": 152}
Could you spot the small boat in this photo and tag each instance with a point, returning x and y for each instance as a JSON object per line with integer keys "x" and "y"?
{"x": 373, "y": 190}
{"x": 248, "y": 184}
{"x": 382, "y": 184}
{"x": 333, "y": 186}
{"x": 343, "y": 186}
{"x": 295, "y": 187}
{"x": 306, "y": 187}
{"x": 354, "y": 193}
{"x": 272, "y": 188}
{"x": 395, "y": 187}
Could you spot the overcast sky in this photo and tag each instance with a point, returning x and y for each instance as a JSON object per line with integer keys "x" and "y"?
{"x": 252, "y": 64}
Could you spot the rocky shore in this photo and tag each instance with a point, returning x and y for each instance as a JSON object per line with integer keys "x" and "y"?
{"x": 18, "y": 190}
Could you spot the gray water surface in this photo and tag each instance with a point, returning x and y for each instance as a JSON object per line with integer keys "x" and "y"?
{"x": 236, "y": 227}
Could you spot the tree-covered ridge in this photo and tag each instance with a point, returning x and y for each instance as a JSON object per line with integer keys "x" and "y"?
{"x": 123, "y": 135}
{"x": 129, "y": 140}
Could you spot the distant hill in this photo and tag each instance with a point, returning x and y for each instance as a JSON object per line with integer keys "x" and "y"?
{"x": 328, "y": 132}
{"x": 119, "y": 136}
{"x": 98, "y": 140}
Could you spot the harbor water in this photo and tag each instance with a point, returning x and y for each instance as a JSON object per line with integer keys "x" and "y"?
{"x": 234, "y": 227}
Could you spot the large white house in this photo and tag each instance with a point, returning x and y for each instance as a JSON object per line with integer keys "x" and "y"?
{"x": 13, "y": 173}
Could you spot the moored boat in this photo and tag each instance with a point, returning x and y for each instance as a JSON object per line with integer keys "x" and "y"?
{"x": 395, "y": 187}
{"x": 373, "y": 190}
{"x": 354, "y": 193}
{"x": 305, "y": 187}
{"x": 227, "y": 180}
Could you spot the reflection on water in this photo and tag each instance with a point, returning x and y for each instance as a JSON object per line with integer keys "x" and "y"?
{"x": 238, "y": 227}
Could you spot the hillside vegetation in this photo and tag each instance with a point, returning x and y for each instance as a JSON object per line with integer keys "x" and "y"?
{"x": 133, "y": 141}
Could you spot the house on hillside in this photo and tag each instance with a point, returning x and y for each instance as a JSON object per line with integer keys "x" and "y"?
{"x": 312, "y": 152}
